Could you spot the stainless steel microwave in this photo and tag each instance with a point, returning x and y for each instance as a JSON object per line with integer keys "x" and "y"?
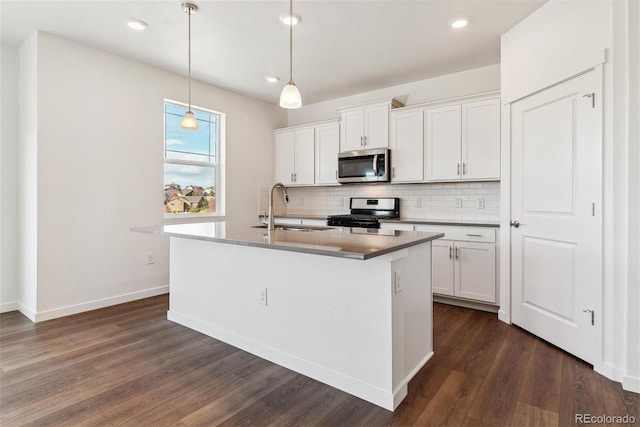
{"x": 364, "y": 166}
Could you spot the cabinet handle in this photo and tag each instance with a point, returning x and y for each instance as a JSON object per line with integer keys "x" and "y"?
{"x": 464, "y": 168}
{"x": 450, "y": 252}
{"x": 456, "y": 253}
{"x": 365, "y": 140}
{"x": 458, "y": 170}
{"x": 361, "y": 141}
{"x": 474, "y": 235}
{"x": 295, "y": 177}
{"x": 393, "y": 172}
{"x": 336, "y": 175}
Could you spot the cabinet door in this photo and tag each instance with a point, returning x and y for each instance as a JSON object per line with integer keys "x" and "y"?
{"x": 327, "y": 147}
{"x": 475, "y": 271}
{"x": 376, "y": 127}
{"x": 304, "y": 172}
{"x": 442, "y": 267}
{"x": 352, "y": 130}
{"x": 406, "y": 142}
{"x": 284, "y": 157}
{"x": 481, "y": 140}
{"x": 443, "y": 143}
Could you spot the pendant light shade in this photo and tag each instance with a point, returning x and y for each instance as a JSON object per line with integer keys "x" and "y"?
{"x": 290, "y": 97}
{"x": 189, "y": 120}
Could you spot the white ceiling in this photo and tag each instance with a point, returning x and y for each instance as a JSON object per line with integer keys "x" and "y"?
{"x": 340, "y": 47}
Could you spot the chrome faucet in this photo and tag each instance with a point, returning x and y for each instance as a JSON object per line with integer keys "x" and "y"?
{"x": 271, "y": 225}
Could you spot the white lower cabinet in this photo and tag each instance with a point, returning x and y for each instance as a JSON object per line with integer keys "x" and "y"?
{"x": 463, "y": 262}
{"x": 464, "y": 269}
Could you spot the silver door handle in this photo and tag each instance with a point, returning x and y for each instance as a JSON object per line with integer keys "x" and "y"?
{"x": 458, "y": 170}
{"x": 474, "y": 235}
{"x": 515, "y": 224}
{"x": 365, "y": 140}
{"x": 450, "y": 252}
{"x": 362, "y": 141}
{"x": 291, "y": 177}
{"x": 457, "y": 252}
{"x": 464, "y": 168}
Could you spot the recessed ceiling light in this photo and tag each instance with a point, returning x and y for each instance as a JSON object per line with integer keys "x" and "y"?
{"x": 272, "y": 79}
{"x": 137, "y": 24}
{"x": 290, "y": 19}
{"x": 460, "y": 22}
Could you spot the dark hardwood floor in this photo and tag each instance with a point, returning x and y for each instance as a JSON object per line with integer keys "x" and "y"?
{"x": 128, "y": 365}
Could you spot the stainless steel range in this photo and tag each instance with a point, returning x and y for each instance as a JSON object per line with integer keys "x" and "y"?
{"x": 366, "y": 212}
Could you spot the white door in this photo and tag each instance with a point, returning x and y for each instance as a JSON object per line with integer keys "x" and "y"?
{"x": 304, "y": 152}
{"x": 475, "y": 272}
{"x": 284, "y": 157}
{"x": 327, "y": 148}
{"x": 376, "y": 125}
{"x": 556, "y": 192}
{"x": 481, "y": 139}
{"x": 442, "y": 128}
{"x": 352, "y": 130}
{"x": 442, "y": 267}
{"x": 406, "y": 129}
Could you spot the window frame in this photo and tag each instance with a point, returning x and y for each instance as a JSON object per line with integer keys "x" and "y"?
{"x": 218, "y": 166}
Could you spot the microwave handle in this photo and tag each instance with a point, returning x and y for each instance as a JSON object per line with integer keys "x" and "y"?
{"x": 375, "y": 165}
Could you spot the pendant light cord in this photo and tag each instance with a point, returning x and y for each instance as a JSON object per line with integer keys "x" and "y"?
{"x": 189, "y": 11}
{"x": 291, "y": 42}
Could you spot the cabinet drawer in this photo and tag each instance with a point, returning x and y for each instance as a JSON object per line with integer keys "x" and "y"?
{"x": 395, "y": 226}
{"x": 465, "y": 234}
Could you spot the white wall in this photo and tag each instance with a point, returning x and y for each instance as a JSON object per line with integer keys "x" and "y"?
{"x": 561, "y": 39}
{"x": 98, "y": 137}
{"x": 9, "y": 290}
{"x": 464, "y": 83}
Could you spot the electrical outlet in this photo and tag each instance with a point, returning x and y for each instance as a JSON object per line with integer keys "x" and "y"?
{"x": 418, "y": 202}
{"x": 458, "y": 202}
{"x": 262, "y": 296}
{"x": 480, "y": 203}
{"x": 151, "y": 258}
{"x": 397, "y": 283}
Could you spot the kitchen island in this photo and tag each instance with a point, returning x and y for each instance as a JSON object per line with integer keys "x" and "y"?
{"x": 349, "y": 307}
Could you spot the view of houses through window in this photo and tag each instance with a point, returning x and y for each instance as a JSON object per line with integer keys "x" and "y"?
{"x": 191, "y": 160}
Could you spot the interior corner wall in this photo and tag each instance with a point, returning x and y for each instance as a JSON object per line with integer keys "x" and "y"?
{"x": 455, "y": 85}
{"x": 27, "y": 177}
{"x": 99, "y": 172}
{"x": 9, "y": 290}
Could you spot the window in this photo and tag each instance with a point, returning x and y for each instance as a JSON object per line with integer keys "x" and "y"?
{"x": 192, "y": 181}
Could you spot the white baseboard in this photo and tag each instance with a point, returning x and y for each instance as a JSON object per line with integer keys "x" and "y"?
{"x": 9, "y": 306}
{"x": 502, "y": 315}
{"x": 93, "y": 305}
{"x": 631, "y": 384}
{"x": 385, "y": 399}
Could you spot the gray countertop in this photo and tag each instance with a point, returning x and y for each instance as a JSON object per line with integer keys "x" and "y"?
{"x": 355, "y": 243}
{"x": 427, "y": 221}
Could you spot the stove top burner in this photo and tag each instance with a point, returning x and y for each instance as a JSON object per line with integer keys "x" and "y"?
{"x": 367, "y": 212}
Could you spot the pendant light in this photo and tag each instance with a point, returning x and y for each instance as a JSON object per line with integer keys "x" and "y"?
{"x": 189, "y": 120}
{"x": 290, "y": 97}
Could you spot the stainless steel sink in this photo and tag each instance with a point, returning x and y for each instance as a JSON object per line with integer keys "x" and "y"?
{"x": 295, "y": 227}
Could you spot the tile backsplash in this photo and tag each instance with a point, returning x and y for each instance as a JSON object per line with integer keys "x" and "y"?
{"x": 455, "y": 201}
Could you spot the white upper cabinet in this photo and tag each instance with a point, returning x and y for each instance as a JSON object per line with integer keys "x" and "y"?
{"x": 481, "y": 139}
{"x": 366, "y": 126}
{"x": 406, "y": 143}
{"x": 327, "y": 147}
{"x": 462, "y": 141}
{"x": 285, "y": 158}
{"x": 442, "y": 142}
{"x": 295, "y": 157}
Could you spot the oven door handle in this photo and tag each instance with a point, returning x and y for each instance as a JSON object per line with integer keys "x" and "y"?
{"x": 375, "y": 165}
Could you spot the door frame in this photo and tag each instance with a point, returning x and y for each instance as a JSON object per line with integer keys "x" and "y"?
{"x": 504, "y": 312}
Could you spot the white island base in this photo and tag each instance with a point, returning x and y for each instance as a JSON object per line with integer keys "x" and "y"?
{"x": 362, "y": 326}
